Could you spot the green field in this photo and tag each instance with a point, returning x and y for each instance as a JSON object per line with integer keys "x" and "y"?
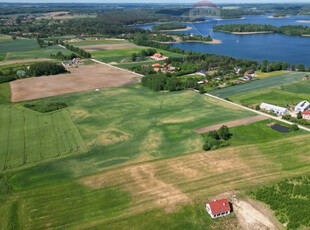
{"x": 5, "y": 93}
{"x": 125, "y": 54}
{"x": 18, "y": 45}
{"x": 259, "y": 84}
{"x": 28, "y": 137}
{"x": 145, "y": 168}
{"x": 94, "y": 42}
{"x": 36, "y": 53}
{"x": 302, "y": 87}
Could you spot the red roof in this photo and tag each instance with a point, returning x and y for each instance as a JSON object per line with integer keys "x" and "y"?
{"x": 306, "y": 113}
{"x": 219, "y": 206}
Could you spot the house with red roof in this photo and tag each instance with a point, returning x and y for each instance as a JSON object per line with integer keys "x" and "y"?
{"x": 218, "y": 208}
{"x": 306, "y": 115}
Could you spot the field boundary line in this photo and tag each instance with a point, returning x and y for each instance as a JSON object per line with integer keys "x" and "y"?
{"x": 255, "y": 111}
{"x": 25, "y": 143}
{"x": 8, "y": 148}
{"x": 115, "y": 67}
{"x": 56, "y": 135}
{"x": 78, "y": 131}
{"x": 103, "y": 63}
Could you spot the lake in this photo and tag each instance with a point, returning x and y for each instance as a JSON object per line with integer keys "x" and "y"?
{"x": 273, "y": 47}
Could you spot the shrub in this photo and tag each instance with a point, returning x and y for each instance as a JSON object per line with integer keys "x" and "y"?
{"x": 224, "y": 132}
{"x": 46, "y": 108}
{"x": 257, "y": 107}
{"x": 294, "y": 128}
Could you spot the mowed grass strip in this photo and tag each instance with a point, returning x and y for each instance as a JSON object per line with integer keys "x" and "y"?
{"x": 259, "y": 84}
{"x": 29, "y": 137}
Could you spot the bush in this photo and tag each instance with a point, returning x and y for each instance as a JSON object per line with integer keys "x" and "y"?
{"x": 224, "y": 132}
{"x": 294, "y": 128}
{"x": 257, "y": 107}
{"x": 46, "y": 108}
{"x": 201, "y": 89}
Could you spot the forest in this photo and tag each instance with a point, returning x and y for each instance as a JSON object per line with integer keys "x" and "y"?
{"x": 288, "y": 30}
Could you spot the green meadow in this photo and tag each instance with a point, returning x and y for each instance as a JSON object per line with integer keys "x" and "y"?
{"x": 98, "y": 42}
{"x": 18, "y": 45}
{"x": 260, "y": 84}
{"x": 28, "y": 137}
{"x": 125, "y": 54}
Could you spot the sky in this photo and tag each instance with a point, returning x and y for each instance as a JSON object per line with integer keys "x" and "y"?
{"x": 159, "y": 1}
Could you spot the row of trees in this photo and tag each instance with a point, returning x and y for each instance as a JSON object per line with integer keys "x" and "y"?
{"x": 46, "y": 68}
{"x": 77, "y": 50}
{"x": 289, "y": 29}
{"x": 195, "y": 38}
{"x": 60, "y": 56}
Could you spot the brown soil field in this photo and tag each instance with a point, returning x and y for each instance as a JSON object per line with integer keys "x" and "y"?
{"x": 80, "y": 79}
{"x": 232, "y": 123}
{"x": 103, "y": 47}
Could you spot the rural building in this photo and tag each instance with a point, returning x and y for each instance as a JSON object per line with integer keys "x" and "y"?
{"x": 158, "y": 56}
{"x": 237, "y": 69}
{"x": 274, "y": 109}
{"x": 306, "y": 115}
{"x": 218, "y": 208}
{"x": 156, "y": 65}
{"x": 250, "y": 72}
{"x": 202, "y": 73}
{"x": 305, "y": 78}
{"x": 200, "y": 82}
{"x": 302, "y": 106}
{"x": 246, "y": 78}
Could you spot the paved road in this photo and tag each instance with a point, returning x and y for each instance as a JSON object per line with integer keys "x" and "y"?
{"x": 255, "y": 111}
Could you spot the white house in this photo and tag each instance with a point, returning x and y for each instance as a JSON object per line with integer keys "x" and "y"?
{"x": 306, "y": 115}
{"x": 302, "y": 106}
{"x": 274, "y": 109}
{"x": 218, "y": 208}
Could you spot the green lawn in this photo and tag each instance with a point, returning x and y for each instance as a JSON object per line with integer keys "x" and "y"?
{"x": 302, "y": 87}
{"x": 262, "y": 75}
{"x": 259, "y": 84}
{"x": 28, "y": 137}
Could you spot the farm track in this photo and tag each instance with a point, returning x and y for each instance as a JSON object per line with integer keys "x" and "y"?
{"x": 230, "y": 124}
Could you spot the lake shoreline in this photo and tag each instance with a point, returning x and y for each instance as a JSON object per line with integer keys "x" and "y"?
{"x": 214, "y": 41}
{"x": 258, "y": 32}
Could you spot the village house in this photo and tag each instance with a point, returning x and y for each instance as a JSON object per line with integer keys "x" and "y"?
{"x": 306, "y": 115}
{"x": 274, "y": 109}
{"x": 158, "y": 56}
{"x": 302, "y": 106}
{"x": 156, "y": 65}
{"x": 246, "y": 78}
{"x": 305, "y": 78}
{"x": 200, "y": 82}
{"x": 250, "y": 73}
{"x": 218, "y": 208}
{"x": 237, "y": 69}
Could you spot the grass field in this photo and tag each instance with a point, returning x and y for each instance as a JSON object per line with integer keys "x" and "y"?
{"x": 262, "y": 75}
{"x": 121, "y": 54}
{"x": 259, "y": 84}
{"x": 18, "y": 45}
{"x": 169, "y": 192}
{"x": 94, "y": 42}
{"x": 5, "y": 93}
{"x": 4, "y": 37}
{"x": 35, "y": 53}
{"x": 28, "y": 137}
{"x": 145, "y": 168}
{"x": 283, "y": 95}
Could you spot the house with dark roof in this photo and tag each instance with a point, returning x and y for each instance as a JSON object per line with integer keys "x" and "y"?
{"x": 218, "y": 208}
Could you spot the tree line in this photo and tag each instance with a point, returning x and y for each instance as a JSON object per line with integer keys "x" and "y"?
{"x": 77, "y": 50}
{"x": 288, "y": 29}
{"x": 46, "y": 68}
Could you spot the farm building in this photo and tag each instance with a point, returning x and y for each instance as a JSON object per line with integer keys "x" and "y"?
{"x": 302, "y": 106}
{"x": 218, "y": 208}
{"x": 274, "y": 109}
{"x": 250, "y": 72}
{"x": 306, "y": 115}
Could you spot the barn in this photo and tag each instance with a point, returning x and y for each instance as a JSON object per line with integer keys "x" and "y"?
{"x": 302, "y": 106}
{"x": 274, "y": 109}
{"x": 218, "y": 208}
